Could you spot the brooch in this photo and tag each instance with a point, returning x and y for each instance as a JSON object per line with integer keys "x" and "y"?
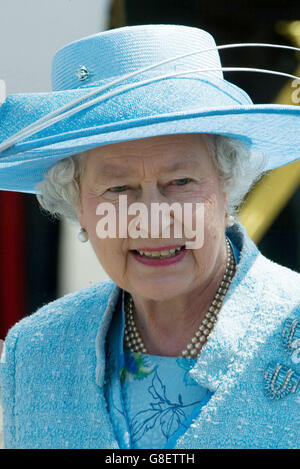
{"x": 291, "y": 338}
{"x": 280, "y": 381}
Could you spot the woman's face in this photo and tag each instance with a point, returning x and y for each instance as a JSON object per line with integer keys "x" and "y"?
{"x": 164, "y": 169}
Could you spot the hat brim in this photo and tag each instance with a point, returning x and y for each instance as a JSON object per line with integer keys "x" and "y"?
{"x": 272, "y": 130}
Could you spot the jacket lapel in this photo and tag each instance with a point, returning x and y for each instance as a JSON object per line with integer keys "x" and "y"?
{"x": 109, "y": 439}
{"x": 240, "y": 304}
{"x": 225, "y": 342}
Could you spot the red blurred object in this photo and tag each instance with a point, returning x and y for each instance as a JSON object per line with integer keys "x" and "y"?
{"x": 12, "y": 260}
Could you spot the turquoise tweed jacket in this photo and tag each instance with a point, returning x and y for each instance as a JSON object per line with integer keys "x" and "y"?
{"x": 52, "y": 371}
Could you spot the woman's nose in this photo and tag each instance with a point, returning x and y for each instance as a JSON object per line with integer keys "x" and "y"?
{"x": 155, "y": 219}
{"x": 152, "y": 193}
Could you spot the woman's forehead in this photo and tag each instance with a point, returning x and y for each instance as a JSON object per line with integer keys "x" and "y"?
{"x": 170, "y": 152}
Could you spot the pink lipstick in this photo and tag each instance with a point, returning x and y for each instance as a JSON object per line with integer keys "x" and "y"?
{"x": 157, "y": 262}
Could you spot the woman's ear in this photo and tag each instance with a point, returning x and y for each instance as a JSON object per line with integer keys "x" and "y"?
{"x": 80, "y": 215}
{"x": 229, "y": 220}
{"x": 79, "y": 179}
{"x": 226, "y": 201}
{"x": 79, "y": 211}
{"x": 82, "y": 234}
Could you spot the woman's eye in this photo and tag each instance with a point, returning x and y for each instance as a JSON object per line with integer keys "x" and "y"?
{"x": 177, "y": 182}
{"x": 118, "y": 189}
{"x": 182, "y": 181}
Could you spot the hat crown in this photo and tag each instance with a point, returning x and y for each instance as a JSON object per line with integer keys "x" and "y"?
{"x": 102, "y": 57}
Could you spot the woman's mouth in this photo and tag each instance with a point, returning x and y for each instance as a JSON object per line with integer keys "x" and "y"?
{"x": 161, "y": 256}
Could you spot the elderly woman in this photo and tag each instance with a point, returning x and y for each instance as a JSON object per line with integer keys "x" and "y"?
{"x": 187, "y": 345}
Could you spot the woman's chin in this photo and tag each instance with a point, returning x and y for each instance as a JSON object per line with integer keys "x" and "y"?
{"x": 160, "y": 289}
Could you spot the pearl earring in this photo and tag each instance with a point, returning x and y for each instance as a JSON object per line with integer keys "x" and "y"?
{"x": 230, "y": 220}
{"x": 83, "y": 235}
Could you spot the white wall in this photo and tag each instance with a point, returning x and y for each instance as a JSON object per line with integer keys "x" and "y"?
{"x": 30, "y": 33}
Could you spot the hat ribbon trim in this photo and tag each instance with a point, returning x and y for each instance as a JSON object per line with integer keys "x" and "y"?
{"x": 67, "y": 111}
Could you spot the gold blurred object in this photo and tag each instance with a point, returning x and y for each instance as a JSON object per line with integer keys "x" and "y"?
{"x": 290, "y": 29}
{"x": 117, "y": 14}
{"x": 270, "y": 195}
{"x": 268, "y": 198}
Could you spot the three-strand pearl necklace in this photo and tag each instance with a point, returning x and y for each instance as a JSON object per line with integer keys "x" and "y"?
{"x": 134, "y": 342}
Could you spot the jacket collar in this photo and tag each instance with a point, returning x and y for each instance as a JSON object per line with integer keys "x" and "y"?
{"x": 114, "y": 298}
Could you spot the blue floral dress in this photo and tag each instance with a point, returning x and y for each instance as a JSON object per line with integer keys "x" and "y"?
{"x": 152, "y": 400}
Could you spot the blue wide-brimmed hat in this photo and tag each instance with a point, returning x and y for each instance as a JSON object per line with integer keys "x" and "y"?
{"x": 131, "y": 83}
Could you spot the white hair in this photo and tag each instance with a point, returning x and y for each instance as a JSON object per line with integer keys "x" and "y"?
{"x": 239, "y": 168}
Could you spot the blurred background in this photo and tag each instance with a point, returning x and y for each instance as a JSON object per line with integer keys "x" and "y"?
{"x": 41, "y": 259}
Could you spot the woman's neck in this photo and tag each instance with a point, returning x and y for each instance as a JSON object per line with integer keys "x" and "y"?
{"x": 167, "y": 326}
